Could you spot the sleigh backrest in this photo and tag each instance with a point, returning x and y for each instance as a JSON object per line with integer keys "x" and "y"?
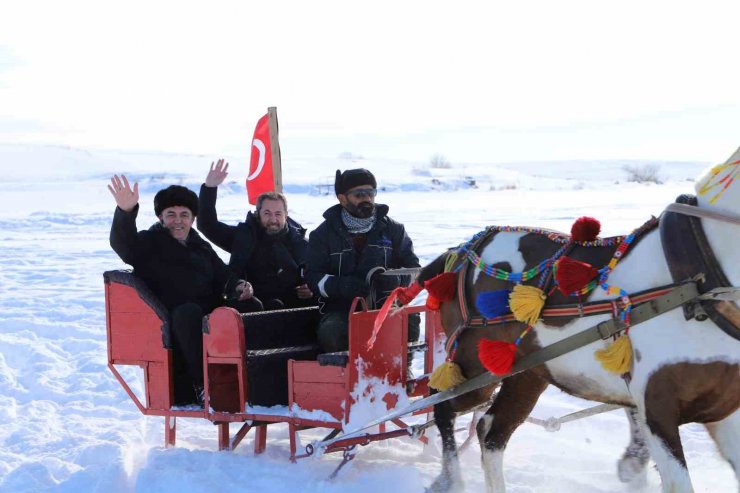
{"x": 138, "y": 333}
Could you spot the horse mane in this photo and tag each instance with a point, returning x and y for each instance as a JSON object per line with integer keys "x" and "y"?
{"x": 436, "y": 267}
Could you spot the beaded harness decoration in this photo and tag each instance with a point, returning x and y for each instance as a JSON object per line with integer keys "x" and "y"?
{"x": 466, "y": 254}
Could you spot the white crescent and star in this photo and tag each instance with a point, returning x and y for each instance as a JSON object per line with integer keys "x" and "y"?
{"x": 260, "y": 162}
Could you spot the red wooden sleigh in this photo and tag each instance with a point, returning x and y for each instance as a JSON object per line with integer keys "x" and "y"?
{"x": 254, "y": 360}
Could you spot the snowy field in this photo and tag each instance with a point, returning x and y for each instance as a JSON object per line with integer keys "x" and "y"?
{"x": 67, "y": 426}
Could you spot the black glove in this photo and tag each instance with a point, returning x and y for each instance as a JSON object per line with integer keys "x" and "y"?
{"x": 347, "y": 287}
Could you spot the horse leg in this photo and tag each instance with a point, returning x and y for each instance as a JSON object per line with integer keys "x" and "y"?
{"x": 662, "y": 415}
{"x": 726, "y": 435}
{"x": 450, "y": 479}
{"x": 512, "y": 405}
{"x": 632, "y": 464}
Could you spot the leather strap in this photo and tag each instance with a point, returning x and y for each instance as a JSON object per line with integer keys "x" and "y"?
{"x": 692, "y": 210}
{"x": 688, "y": 253}
{"x": 681, "y": 294}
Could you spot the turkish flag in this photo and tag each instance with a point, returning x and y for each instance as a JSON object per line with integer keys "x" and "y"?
{"x": 261, "y": 178}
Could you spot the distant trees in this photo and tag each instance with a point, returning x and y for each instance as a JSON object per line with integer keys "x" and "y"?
{"x": 439, "y": 161}
{"x": 645, "y": 173}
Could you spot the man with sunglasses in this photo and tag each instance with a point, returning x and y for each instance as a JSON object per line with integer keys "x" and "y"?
{"x": 347, "y": 253}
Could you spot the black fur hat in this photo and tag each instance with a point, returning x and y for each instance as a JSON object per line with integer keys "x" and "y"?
{"x": 175, "y": 195}
{"x": 353, "y": 178}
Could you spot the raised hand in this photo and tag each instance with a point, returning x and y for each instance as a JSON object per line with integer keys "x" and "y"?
{"x": 126, "y": 199}
{"x": 217, "y": 174}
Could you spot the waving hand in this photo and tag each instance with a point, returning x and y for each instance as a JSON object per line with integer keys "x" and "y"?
{"x": 126, "y": 198}
{"x": 217, "y": 174}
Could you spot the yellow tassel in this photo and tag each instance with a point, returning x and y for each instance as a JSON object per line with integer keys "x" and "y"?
{"x": 447, "y": 375}
{"x": 526, "y": 303}
{"x": 617, "y": 358}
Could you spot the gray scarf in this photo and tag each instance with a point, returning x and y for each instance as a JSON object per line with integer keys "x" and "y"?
{"x": 357, "y": 225}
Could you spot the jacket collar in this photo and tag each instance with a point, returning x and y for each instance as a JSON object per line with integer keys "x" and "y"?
{"x": 333, "y": 216}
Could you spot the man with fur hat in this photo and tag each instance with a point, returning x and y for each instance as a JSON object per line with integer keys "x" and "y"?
{"x": 180, "y": 268}
{"x": 268, "y": 248}
{"x": 347, "y": 252}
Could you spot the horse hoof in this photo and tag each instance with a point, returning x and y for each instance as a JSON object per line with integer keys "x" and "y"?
{"x": 631, "y": 469}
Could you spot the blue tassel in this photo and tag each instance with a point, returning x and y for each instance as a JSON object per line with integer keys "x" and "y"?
{"x": 492, "y": 304}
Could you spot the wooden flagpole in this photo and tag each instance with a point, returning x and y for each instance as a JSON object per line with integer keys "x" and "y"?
{"x": 277, "y": 171}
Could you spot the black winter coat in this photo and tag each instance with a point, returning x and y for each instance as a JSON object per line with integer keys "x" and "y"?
{"x": 272, "y": 264}
{"x": 331, "y": 253}
{"x": 176, "y": 273}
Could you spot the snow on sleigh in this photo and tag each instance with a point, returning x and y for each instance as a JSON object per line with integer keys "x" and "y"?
{"x": 265, "y": 368}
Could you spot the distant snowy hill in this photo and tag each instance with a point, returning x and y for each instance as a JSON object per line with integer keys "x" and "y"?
{"x": 23, "y": 163}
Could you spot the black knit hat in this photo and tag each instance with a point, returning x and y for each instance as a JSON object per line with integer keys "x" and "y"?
{"x": 353, "y": 178}
{"x": 175, "y": 195}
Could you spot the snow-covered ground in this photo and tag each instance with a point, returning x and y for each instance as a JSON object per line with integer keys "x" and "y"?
{"x": 66, "y": 425}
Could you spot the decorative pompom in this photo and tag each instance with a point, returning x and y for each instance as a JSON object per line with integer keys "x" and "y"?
{"x": 433, "y": 303}
{"x": 617, "y": 358}
{"x": 492, "y": 304}
{"x": 406, "y": 295}
{"x": 572, "y": 275}
{"x": 442, "y": 286}
{"x": 585, "y": 229}
{"x": 526, "y": 303}
{"x": 446, "y": 375}
{"x": 497, "y": 356}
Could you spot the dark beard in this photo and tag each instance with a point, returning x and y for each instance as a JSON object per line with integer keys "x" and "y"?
{"x": 363, "y": 210}
{"x": 273, "y": 232}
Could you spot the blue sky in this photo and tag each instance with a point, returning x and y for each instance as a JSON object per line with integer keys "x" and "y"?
{"x": 478, "y": 81}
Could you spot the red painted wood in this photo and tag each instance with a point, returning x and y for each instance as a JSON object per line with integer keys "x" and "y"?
{"x": 225, "y": 336}
{"x": 223, "y": 436}
{"x": 158, "y": 386}
{"x": 260, "y": 439}
{"x": 135, "y": 338}
{"x": 311, "y": 371}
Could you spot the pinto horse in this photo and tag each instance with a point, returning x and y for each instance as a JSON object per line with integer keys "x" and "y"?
{"x": 682, "y": 369}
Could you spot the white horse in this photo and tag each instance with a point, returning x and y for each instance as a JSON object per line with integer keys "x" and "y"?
{"x": 682, "y": 370}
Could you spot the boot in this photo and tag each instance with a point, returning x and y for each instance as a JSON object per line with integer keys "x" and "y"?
{"x": 200, "y": 395}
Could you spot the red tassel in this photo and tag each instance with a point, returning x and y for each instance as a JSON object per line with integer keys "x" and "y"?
{"x": 573, "y": 275}
{"x": 585, "y": 229}
{"x": 406, "y": 295}
{"x": 432, "y": 303}
{"x": 497, "y": 356}
{"x": 442, "y": 286}
{"x": 382, "y": 315}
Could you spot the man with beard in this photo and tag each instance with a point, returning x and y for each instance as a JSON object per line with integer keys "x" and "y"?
{"x": 268, "y": 249}
{"x": 347, "y": 253}
{"x": 182, "y": 270}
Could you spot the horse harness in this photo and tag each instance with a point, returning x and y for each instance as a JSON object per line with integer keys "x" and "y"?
{"x": 562, "y": 312}
{"x": 689, "y": 254}
{"x": 648, "y": 304}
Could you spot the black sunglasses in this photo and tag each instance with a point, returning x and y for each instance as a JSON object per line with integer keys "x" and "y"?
{"x": 368, "y": 192}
